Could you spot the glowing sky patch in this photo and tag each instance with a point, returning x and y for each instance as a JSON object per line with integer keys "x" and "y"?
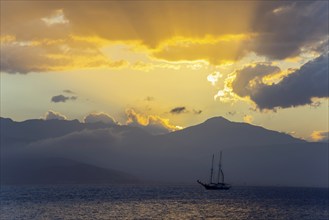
{"x": 186, "y": 53}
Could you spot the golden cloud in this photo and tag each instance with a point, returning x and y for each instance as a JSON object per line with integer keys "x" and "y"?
{"x": 52, "y": 31}
{"x": 214, "y": 49}
{"x": 320, "y": 136}
{"x": 52, "y": 55}
{"x": 217, "y": 32}
{"x": 149, "y": 120}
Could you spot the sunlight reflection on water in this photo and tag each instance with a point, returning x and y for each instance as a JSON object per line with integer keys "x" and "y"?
{"x": 162, "y": 202}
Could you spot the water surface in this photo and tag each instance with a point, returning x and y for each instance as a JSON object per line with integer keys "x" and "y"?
{"x": 162, "y": 202}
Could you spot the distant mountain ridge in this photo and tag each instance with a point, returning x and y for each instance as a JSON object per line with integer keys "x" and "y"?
{"x": 252, "y": 154}
{"x": 35, "y": 129}
{"x": 59, "y": 171}
{"x": 38, "y": 129}
{"x": 220, "y": 133}
{"x": 233, "y": 131}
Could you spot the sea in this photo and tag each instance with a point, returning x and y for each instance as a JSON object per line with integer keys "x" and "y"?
{"x": 162, "y": 202}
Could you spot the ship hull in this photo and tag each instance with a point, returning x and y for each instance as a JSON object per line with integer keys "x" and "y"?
{"x": 215, "y": 186}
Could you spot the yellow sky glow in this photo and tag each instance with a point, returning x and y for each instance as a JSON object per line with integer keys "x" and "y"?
{"x": 114, "y": 54}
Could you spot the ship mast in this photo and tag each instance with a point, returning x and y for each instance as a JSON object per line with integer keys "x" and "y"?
{"x": 219, "y": 167}
{"x": 212, "y": 169}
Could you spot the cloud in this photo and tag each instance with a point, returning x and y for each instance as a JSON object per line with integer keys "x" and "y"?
{"x": 213, "y": 77}
{"x": 134, "y": 18}
{"x": 22, "y": 59}
{"x": 57, "y": 17}
{"x": 100, "y": 117}
{"x": 154, "y": 124}
{"x": 68, "y": 91}
{"x": 298, "y": 88}
{"x": 59, "y": 36}
{"x": 47, "y": 55}
{"x": 249, "y": 77}
{"x": 62, "y": 98}
{"x": 320, "y": 136}
{"x": 178, "y": 110}
{"x": 51, "y": 115}
{"x": 277, "y": 30}
{"x": 285, "y": 28}
{"x": 183, "y": 109}
{"x": 216, "y": 50}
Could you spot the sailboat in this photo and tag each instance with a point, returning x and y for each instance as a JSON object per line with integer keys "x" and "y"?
{"x": 219, "y": 185}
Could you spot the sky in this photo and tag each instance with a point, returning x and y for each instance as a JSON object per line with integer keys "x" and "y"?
{"x": 171, "y": 64}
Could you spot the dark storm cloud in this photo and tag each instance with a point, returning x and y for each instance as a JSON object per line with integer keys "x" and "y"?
{"x": 298, "y": 88}
{"x": 248, "y": 77}
{"x": 283, "y": 28}
{"x": 62, "y": 98}
{"x": 178, "y": 110}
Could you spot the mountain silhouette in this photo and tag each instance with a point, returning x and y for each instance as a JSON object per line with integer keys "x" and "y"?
{"x": 25, "y": 132}
{"x": 220, "y": 130}
{"x": 251, "y": 154}
{"x": 59, "y": 171}
{"x": 220, "y": 133}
